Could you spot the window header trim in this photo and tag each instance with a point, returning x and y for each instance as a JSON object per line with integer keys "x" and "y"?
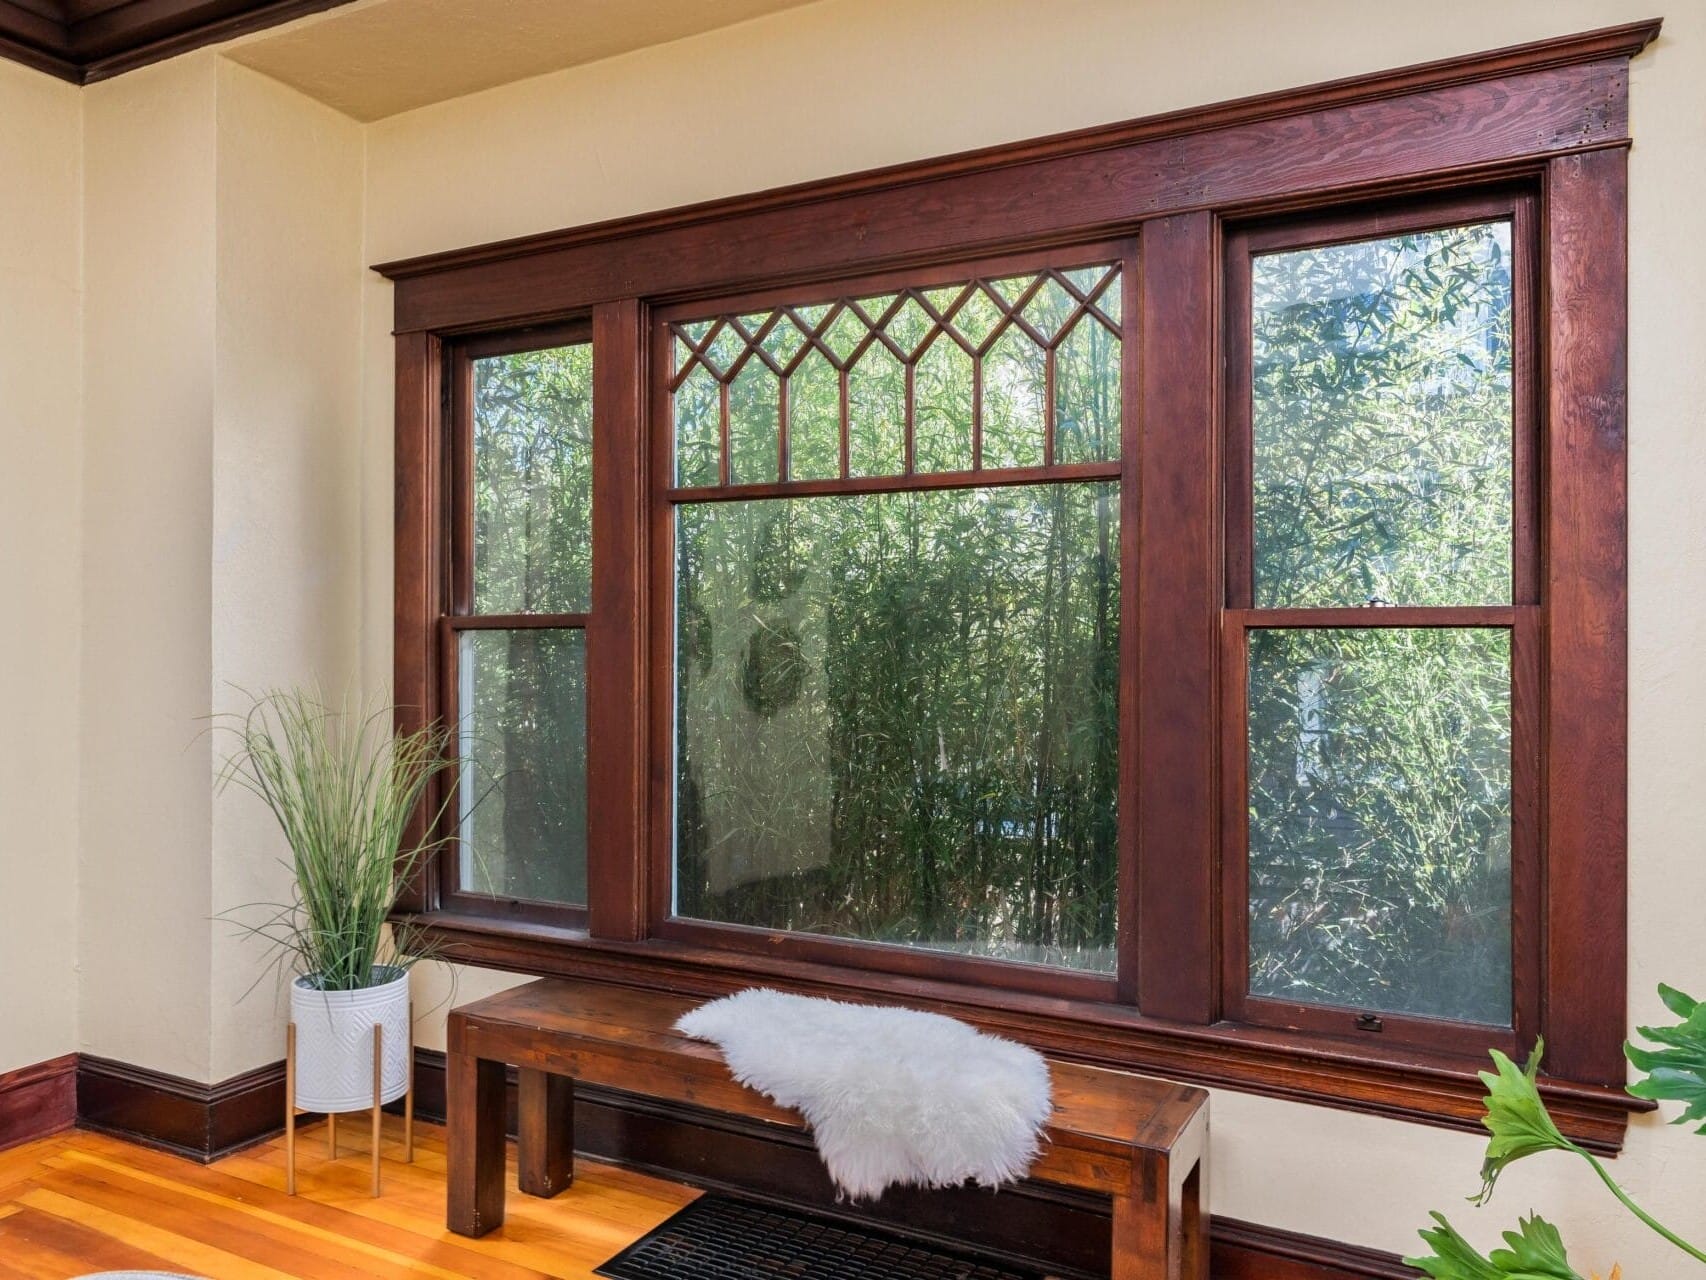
{"x": 1532, "y": 101}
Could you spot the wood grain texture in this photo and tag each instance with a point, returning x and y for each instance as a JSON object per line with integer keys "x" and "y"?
{"x": 201, "y": 1121}
{"x": 37, "y": 1100}
{"x": 1138, "y": 1140}
{"x": 1270, "y": 162}
{"x": 1586, "y": 768}
{"x": 616, "y": 650}
{"x": 418, "y": 577}
{"x": 1406, "y": 1082}
{"x": 1176, "y": 620}
{"x": 85, "y": 1202}
{"x": 1375, "y": 152}
{"x": 1602, "y": 44}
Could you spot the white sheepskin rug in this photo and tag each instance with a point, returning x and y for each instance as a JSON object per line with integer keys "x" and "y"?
{"x": 892, "y": 1095}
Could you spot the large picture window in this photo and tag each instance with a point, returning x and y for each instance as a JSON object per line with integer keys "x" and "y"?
{"x": 1156, "y": 592}
{"x": 897, "y": 614}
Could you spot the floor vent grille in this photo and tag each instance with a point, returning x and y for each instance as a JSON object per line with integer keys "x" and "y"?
{"x": 720, "y": 1238}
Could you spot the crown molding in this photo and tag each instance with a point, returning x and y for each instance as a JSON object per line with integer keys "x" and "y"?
{"x": 88, "y": 40}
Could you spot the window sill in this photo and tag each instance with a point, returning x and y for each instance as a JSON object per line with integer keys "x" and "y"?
{"x": 1426, "y": 1087}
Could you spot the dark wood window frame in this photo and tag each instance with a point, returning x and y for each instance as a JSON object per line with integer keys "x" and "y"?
{"x": 1539, "y": 130}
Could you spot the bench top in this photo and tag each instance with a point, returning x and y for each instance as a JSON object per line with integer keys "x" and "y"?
{"x": 576, "y": 1027}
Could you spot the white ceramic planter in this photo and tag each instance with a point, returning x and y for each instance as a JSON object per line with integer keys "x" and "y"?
{"x": 334, "y": 1043}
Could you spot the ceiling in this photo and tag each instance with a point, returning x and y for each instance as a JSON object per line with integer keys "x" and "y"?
{"x": 378, "y": 57}
{"x": 367, "y": 58}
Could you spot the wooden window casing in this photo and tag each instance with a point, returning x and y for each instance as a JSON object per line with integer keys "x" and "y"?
{"x": 1537, "y": 134}
{"x": 1522, "y": 618}
{"x": 851, "y": 953}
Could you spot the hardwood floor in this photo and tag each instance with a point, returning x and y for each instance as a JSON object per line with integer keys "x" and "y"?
{"x": 82, "y": 1202}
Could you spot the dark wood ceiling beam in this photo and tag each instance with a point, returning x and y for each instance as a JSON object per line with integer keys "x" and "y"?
{"x": 28, "y": 34}
{"x": 87, "y": 40}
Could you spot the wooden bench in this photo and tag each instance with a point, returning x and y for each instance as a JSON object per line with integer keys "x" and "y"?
{"x": 1143, "y": 1142}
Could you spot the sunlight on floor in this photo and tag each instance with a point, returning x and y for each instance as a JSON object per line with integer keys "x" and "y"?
{"x": 84, "y": 1202}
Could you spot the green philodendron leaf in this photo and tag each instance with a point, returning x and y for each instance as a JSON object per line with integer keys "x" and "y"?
{"x": 1516, "y": 1118}
{"x": 1533, "y": 1252}
{"x": 1676, "y": 1071}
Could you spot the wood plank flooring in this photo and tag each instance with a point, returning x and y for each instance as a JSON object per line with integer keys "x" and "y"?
{"x": 82, "y": 1202}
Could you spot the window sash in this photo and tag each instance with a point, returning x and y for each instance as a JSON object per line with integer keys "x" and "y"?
{"x": 878, "y": 958}
{"x": 1523, "y": 620}
{"x": 459, "y": 613}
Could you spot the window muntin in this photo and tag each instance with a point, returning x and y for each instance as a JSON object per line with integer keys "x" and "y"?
{"x": 991, "y": 372}
{"x": 896, "y": 602}
{"x": 521, "y": 568}
{"x": 1383, "y": 616}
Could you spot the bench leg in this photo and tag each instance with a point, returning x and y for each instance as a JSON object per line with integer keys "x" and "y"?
{"x": 545, "y": 1134}
{"x": 1193, "y": 1223}
{"x": 1160, "y": 1230}
{"x": 474, "y": 1101}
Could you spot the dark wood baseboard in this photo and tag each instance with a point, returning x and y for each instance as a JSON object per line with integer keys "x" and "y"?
{"x": 1065, "y": 1230}
{"x": 38, "y": 1100}
{"x": 201, "y": 1121}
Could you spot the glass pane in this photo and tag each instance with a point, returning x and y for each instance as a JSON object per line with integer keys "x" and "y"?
{"x": 698, "y": 428}
{"x": 1382, "y": 419}
{"x": 522, "y": 743}
{"x": 897, "y": 718}
{"x": 1087, "y": 394}
{"x": 533, "y": 481}
{"x": 1015, "y": 385}
{"x": 876, "y": 410}
{"x": 814, "y": 420}
{"x": 753, "y": 402}
{"x": 942, "y": 408}
{"x": 1380, "y": 820}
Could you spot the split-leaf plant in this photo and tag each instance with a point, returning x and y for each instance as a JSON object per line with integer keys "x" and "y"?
{"x": 1673, "y": 1070}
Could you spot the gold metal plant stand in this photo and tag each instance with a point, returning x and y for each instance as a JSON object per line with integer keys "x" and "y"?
{"x": 332, "y": 1116}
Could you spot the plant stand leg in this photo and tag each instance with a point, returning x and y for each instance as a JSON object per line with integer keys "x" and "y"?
{"x": 290, "y": 1109}
{"x": 378, "y": 1082}
{"x": 409, "y": 1096}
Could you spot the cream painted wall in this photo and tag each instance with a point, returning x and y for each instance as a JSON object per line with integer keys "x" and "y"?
{"x": 41, "y": 123}
{"x": 286, "y": 465}
{"x": 222, "y": 480}
{"x": 148, "y": 366}
{"x": 891, "y": 80}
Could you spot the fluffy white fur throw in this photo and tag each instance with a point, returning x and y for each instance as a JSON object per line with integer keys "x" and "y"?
{"x": 892, "y": 1095}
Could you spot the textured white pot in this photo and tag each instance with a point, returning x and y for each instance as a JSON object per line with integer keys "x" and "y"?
{"x": 334, "y": 1043}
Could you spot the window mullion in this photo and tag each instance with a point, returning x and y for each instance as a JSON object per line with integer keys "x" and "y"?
{"x": 616, "y": 650}
{"x": 1168, "y": 796}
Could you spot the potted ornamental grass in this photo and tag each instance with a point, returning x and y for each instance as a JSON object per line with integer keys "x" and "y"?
{"x": 342, "y": 786}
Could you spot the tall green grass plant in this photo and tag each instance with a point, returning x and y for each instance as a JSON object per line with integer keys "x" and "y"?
{"x": 342, "y": 787}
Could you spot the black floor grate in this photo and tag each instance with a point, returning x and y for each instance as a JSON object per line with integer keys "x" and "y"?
{"x": 718, "y": 1238}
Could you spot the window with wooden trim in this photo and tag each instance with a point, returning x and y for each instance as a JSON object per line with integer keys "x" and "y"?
{"x": 896, "y": 613}
{"x": 1156, "y": 592}
{"x": 1381, "y": 753}
{"x": 521, "y": 497}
